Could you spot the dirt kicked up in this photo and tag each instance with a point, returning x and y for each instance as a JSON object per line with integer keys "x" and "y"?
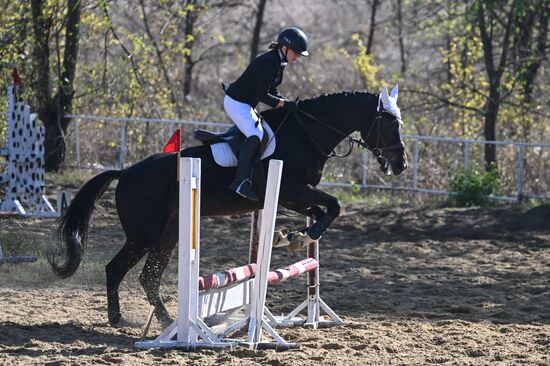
{"x": 419, "y": 286}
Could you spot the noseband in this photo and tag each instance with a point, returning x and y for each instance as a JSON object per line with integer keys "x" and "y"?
{"x": 377, "y": 150}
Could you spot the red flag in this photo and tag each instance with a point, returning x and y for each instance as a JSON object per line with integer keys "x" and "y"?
{"x": 173, "y": 145}
{"x": 16, "y": 78}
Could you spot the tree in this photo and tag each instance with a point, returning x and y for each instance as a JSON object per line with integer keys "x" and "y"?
{"x": 372, "y": 26}
{"x": 516, "y": 28}
{"x": 401, "y": 36}
{"x": 529, "y": 50}
{"x": 14, "y": 48}
{"x": 191, "y": 14}
{"x": 55, "y": 101}
{"x": 254, "y": 45}
{"x": 490, "y": 54}
{"x": 489, "y": 19}
{"x": 190, "y": 17}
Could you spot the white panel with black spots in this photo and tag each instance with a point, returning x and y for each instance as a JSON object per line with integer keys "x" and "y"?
{"x": 24, "y": 176}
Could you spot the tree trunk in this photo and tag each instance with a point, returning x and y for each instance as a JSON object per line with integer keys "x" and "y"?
{"x": 54, "y": 142}
{"x": 190, "y": 18}
{"x": 537, "y": 55}
{"x": 494, "y": 72}
{"x": 491, "y": 116}
{"x": 51, "y": 111}
{"x": 257, "y": 29}
{"x": 41, "y": 55}
{"x": 372, "y": 26}
{"x": 401, "y": 36}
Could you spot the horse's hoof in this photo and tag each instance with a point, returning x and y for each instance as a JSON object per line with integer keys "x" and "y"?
{"x": 299, "y": 240}
{"x": 163, "y": 317}
{"x": 114, "y": 318}
{"x": 280, "y": 239}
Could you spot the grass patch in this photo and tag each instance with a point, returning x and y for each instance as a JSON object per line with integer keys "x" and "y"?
{"x": 69, "y": 178}
{"x": 374, "y": 198}
{"x": 16, "y": 241}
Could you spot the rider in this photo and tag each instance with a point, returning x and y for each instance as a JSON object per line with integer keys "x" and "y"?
{"x": 259, "y": 83}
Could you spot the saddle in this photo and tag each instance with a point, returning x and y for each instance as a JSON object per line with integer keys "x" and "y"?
{"x": 232, "y": 136}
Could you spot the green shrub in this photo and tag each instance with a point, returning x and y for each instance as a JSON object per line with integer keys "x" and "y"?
{"x": 473, "y": 187}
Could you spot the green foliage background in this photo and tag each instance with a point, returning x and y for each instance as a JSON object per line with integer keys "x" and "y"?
{"x": 134, "y": 56}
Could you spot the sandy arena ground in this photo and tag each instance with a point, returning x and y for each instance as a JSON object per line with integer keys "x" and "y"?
{"x": 418, "y": 286}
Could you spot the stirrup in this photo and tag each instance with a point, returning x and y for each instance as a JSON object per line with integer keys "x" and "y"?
{"x": 245, "y": 190}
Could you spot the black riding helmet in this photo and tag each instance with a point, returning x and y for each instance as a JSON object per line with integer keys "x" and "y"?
{"x": 295, "y": 39}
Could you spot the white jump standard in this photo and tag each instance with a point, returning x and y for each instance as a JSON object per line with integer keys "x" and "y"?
{"x": 237, "y": 289}
{"x": 189, "y": 329}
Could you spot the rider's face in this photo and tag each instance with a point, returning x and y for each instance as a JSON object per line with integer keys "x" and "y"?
{"x": 291, "y": 56}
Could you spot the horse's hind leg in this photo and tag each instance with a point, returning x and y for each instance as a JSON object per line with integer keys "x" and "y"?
{"x": 156, "y": 263}
{"x": 117, "y": 268}
{"x": 150, "y": 280}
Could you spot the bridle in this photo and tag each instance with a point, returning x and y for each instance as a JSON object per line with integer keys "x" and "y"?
{"x": 377, "y": 150}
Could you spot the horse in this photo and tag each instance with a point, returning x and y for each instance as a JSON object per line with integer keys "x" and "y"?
{"x": 147, "y": 192}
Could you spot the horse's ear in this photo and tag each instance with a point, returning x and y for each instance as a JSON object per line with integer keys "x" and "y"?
{"x": 394, "y": 92}
{"x": 389, "y": 102}
{"x": 384, "y": 93}
{"x": 383, "y": 98}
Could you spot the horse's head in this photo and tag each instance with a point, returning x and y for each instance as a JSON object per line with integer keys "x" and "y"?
{"x": 383, "y": 135}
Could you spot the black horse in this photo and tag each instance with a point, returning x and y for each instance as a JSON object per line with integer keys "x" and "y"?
{"x": 147, "y": 192}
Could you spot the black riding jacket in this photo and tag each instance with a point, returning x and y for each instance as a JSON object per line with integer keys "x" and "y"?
{"x": 260, "y": 81}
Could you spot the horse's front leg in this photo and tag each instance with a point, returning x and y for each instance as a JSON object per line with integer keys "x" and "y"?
{"x": 281, "y": 237}
{"x": 311, "y": 198}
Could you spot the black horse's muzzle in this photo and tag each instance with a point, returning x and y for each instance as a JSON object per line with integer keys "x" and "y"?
{"x": 392, "y": 159}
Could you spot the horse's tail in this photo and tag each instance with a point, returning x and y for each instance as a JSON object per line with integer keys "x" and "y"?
{"x": 73, "y": 225}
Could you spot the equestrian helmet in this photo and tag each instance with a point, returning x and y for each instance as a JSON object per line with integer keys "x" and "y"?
{"x": 295, "y": 39}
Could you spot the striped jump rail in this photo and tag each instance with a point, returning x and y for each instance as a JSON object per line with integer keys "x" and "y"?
{"x": 235, "y": 275}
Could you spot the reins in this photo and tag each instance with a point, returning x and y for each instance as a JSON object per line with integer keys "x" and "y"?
{"x": 280, "y": 125}
{"x": 377, "y": 150}
{"x": 316, "y": 144}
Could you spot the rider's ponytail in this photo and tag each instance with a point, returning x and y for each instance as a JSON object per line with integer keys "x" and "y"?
{"x": 274, "y": 45}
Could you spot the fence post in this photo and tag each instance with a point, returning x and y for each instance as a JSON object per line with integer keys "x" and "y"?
{"x": 415, "y": 162}
{"x": 521, "y": 155}
{"x": 466, "y": 155}
{"x": 365, "y": 168}
{"x": 77, "y": 138}
{"x": 122, "y": 157}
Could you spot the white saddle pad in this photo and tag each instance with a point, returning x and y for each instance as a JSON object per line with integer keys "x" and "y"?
{"x": 224, "y": 156}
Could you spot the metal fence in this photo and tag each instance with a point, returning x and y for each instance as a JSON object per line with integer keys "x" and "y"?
{"x": 524, "y": 167}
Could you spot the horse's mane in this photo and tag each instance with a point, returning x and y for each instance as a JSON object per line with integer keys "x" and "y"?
{"x": 341, "y": 94}
{"x": 321, "y": 104}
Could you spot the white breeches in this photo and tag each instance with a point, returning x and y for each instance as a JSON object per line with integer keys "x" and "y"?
{"x": 244, "y": 116}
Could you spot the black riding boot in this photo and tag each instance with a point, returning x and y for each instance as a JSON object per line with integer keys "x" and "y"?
{"x": 242, "y": 184}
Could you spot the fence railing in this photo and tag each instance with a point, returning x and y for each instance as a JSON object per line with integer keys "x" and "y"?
{"x": 461, "y": 153}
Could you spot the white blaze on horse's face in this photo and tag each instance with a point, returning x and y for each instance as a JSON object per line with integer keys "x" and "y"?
{"x": 389, "y": 101}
